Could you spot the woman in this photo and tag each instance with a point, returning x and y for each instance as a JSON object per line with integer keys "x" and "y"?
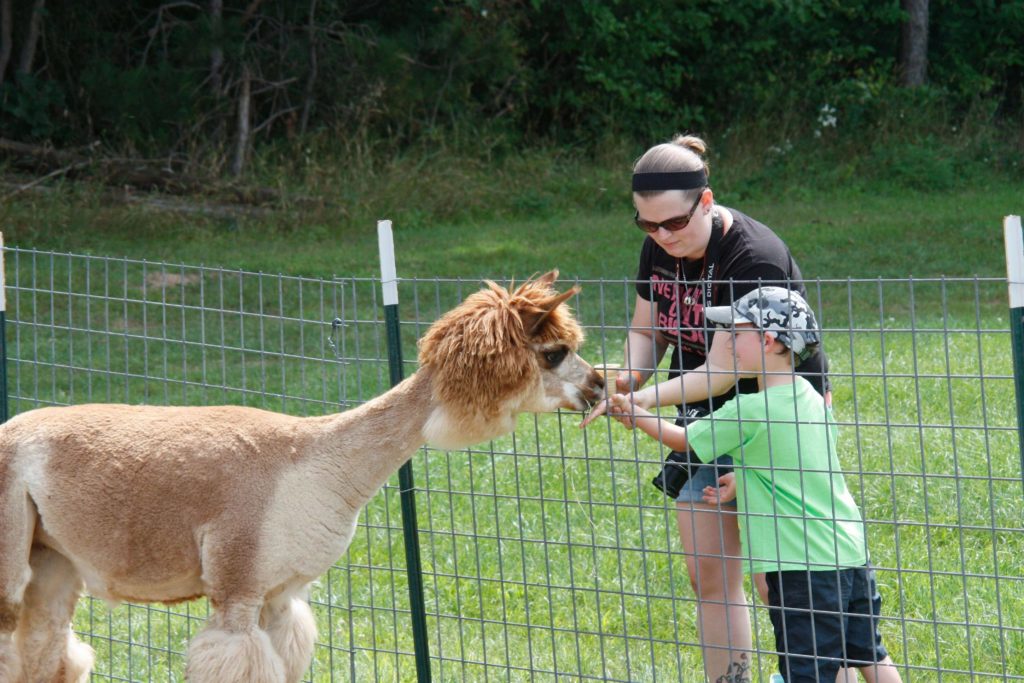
{"x": 699, "y": 254}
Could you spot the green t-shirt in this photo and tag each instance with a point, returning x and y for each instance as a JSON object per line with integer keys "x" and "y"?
{"x": 795, "y": 509}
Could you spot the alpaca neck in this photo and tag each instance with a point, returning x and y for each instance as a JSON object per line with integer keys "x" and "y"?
{"x": 366, "y": 445}
{"x": 450, "y": 429}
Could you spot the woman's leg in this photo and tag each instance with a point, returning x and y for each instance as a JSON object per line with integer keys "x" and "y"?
{"x": 711, "y": 541}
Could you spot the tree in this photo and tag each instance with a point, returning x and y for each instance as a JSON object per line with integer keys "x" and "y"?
{"x": 216, "y": 47}
{"x": 6, "y": 43}
{"x": 28, "y": 48}
{"x": 913, "y": 64}
{"x": 29, "y": 41}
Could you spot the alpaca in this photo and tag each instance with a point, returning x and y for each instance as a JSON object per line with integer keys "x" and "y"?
{"x": 245, "y": 506}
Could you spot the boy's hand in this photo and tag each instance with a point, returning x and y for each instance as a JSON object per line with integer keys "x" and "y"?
{"x": 617, "y": 406}
{"x": 613, "y": 406}
{"x": 725, "y": 492}
{"x": 599, "y": 409}
{"x": 622, "y": 409}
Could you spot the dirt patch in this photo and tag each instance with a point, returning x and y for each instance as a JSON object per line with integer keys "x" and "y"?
{"x": 164, "y": 280}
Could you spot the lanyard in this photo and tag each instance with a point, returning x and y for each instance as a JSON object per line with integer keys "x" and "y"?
{"x": 711, "y": 255}
{"x": 707, "y": 273}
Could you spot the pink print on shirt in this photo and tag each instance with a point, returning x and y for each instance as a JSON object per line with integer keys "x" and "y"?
{"x": 687, "y": 328}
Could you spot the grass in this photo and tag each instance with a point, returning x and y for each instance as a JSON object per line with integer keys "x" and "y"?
{"x": 484, "y": 209}
{"x": 547, "y": 554}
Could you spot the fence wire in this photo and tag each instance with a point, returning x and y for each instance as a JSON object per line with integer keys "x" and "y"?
{"x": 547, "y": 554}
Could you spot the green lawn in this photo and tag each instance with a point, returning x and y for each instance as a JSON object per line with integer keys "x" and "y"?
{"x": 548, "y": 556}
{"x": 844, "y": 233}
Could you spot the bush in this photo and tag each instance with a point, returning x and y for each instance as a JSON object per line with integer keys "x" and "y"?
{"x": 496, "y": 75}
{"x": 33, "y": 108}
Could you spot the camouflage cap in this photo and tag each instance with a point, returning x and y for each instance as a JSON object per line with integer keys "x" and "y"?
{"x": 773, "y": 309}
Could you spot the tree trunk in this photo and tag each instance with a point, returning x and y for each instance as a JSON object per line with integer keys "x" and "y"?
{"x": 5, "y": 37}
{"x": 307, "y": 105}
{"x": 250, "y": 11}
{"x": 28, "y": 48}
{"x": 913, "y": 65}
{"x": 244, "y": 123}
{"x": 217, "y": 49}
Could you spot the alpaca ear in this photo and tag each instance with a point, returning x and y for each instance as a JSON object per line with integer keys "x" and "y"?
{"x": 548, "y": 278}
{"x": 535, "y": 320}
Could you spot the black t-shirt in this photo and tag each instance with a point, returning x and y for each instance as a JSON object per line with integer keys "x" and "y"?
{"x": 749, "y": 254}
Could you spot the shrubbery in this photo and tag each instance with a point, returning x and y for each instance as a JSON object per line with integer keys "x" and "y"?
{"x": 782, "y": 89}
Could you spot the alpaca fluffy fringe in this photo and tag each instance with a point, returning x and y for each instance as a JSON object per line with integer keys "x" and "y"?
{"x": 221, "y": 657}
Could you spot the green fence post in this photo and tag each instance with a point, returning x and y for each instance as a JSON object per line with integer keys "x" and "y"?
{"x": 410, "y": 531}
{"x": 3, "y": 333}
{"x": 1014, "y": 240}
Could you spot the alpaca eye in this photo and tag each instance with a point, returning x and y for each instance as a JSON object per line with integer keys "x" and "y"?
{"x": 555, "y": 357}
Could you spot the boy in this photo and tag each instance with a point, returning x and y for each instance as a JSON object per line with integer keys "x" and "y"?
{"x": 798, "y": 522}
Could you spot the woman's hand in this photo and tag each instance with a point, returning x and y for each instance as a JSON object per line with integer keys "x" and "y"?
{"x": 628, "y": 381}
{"x": 725, "y": 492}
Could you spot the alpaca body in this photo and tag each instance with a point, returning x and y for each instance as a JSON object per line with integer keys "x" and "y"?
{"x": 234, "y": 491}
{"x": 246, "y": 506}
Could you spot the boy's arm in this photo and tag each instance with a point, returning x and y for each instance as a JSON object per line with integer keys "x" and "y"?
{"x": 713, "y": 378}
{"x": 725, "y": 492}
{"x": 635, "y": 417}
{"x": 669, "y": 433}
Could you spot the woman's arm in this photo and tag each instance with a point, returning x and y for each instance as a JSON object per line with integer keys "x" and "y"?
{"x": 644, "y": 350}
{"x": 644, "y": 347}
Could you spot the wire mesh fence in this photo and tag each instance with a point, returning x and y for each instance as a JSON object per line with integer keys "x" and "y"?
{"x": 547, "y": 554}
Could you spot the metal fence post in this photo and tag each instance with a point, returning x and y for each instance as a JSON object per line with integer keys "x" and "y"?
{"x": 1014, "y": 241}
{"x": 3, "y": 334}
{"x": 410, "y": 531}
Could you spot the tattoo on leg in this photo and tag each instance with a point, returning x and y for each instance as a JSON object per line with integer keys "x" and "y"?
{"x": 738, "y": 672}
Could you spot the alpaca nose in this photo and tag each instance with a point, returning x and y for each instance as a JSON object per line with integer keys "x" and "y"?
{"x": 596, "y": 389}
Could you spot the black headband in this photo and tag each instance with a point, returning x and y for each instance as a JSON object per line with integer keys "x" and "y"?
{"x": 682, "y": 180}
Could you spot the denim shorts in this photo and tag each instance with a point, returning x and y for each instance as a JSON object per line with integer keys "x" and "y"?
{"x": 824, "y": 620}
{"x": 705, "y": 474}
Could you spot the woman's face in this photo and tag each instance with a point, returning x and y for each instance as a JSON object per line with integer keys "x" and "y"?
{"x": 690, "y": 242}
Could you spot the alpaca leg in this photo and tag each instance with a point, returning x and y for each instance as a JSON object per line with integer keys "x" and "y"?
{"x": 50, "y": 651}
{"x": 289, "y": 623}
{"x": 17, "y": 524}
{"x": 233, "y": 649}
{"x": 10, "y": 661}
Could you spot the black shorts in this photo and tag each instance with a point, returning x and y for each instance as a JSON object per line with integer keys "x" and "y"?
{"x": 825, "y": 620}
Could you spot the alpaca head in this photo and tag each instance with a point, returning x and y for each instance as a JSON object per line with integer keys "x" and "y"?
{"x": 503, "y": 352}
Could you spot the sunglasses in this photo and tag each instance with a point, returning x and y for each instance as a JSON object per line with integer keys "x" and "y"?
{"x": 671, "y": 224}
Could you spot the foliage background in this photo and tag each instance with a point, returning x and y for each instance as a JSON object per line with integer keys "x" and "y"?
{"x": 139, "y": 75}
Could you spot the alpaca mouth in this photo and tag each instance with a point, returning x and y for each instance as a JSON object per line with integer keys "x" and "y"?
{"x": 598, "y": 391}
{"x": 591, "y": 395}
{"x": 584, "y": 398}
